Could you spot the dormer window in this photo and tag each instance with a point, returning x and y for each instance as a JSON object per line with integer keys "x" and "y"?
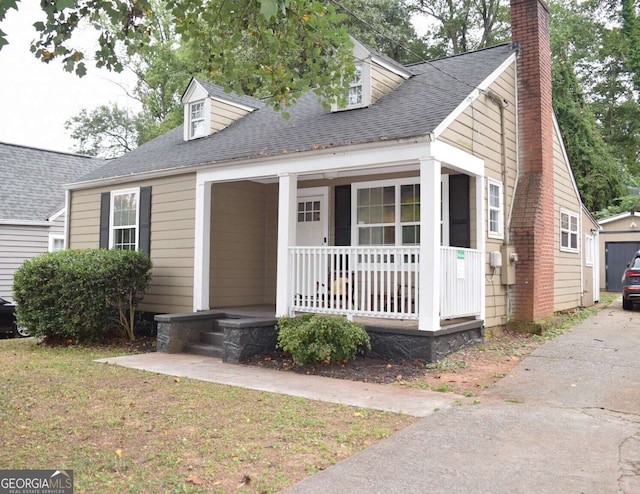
{"x": 197, "y": 119}
{"x": 355, "y": 94}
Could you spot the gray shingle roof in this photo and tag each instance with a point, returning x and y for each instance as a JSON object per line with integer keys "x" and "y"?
{"x": 32, "y": 179}
{"x": 415, "y": 108}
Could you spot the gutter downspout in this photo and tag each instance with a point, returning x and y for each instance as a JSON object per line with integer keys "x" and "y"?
{"x": 502, "y": 103}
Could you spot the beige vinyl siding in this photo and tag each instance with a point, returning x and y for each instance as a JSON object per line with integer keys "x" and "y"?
{"x": 383, "y": 81}
{"x": 17, "y": 244}
{"x": 478, "y": 131}
{"x": 567, "y": 265}
{"x": 243, "y": 244}
{"x": 224, "y": 114}
{"x": 172, "y": 237}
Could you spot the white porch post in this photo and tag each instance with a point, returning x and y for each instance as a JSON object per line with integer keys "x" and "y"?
{"x": 429, "y": 295}
{"x": 286, "y": 238}
{"x": 202, "y": 247}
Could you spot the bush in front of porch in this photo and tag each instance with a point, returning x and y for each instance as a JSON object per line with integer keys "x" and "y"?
{"x": 316, "y": 338}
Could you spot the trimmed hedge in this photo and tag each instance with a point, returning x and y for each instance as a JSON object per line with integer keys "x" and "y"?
{"x": 315, "y": 338}
{"x": 84, "y": 295}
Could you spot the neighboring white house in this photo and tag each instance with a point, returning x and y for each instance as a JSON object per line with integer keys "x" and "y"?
{"x": 32, "y": 200}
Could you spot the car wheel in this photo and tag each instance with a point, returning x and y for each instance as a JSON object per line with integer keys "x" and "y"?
{"x": 21, "y": 331}
{"x": 627, "y": 304}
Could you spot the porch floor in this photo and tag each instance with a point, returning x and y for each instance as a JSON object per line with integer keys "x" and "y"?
{"x": 270, "y": 311}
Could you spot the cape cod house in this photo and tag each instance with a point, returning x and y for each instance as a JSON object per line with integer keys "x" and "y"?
{"x": 440, "y": 196}
{"x": 32, "y": 205}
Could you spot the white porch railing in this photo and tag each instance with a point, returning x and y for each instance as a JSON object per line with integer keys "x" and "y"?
{"x": 380, "y": 281}
{"x": 461, "y": 279}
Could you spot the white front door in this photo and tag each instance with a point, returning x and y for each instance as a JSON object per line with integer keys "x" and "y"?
{"x": 312, "y": 225}
{"x": 312, "y": 230}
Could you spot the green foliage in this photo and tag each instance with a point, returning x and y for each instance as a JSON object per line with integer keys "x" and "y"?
{"x": 314, "y": 338}
{"x": 106, "y": 131}
{"x": 81, "y": 294}
{"x": 282, "y": 46}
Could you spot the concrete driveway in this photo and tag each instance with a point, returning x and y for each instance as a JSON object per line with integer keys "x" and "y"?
{"x": 566, "y": 420}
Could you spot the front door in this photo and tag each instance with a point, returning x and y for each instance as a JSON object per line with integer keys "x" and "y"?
{"x": 312, "y": 230}
{"x": 312, "y": 226}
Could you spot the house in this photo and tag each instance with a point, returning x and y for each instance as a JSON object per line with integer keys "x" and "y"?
{"x": 437, "y": 203}
{"x": 32, "y": 204}
{"x": 619, "y": 240}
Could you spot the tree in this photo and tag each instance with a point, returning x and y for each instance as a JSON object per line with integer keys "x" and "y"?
{"x": 106, "y": 131}
{"x": 283, "y": 46}
{"x": 464, "y": 25}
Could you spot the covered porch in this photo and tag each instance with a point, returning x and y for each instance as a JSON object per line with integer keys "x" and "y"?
{"x": 427, "y": 283}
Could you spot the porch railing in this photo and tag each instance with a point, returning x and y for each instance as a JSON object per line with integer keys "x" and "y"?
{"x": 380, "y": 281}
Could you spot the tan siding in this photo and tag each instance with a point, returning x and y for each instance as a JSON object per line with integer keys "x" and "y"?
{"x": 172, "y": 237}
{"x": 383, "y": 81}
{"x": 567, "y": 265}
{"x": 478, "y": 130}
{"x": 243, "y": 244}
{"x": 224, "y": 114}
{"x": 619, "y": 230}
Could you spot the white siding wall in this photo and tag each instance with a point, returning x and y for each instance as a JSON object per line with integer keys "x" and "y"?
{"x": 17, "y": 244}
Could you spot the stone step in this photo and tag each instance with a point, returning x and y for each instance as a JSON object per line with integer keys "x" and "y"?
{"x": 204, "y": 349}
{"x": 212, "y": 337}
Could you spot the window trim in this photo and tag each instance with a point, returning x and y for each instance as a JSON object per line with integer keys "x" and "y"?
{"x": 192, "y": 120}
{"x": 52, "y": 238}
{"x": 589, "y": 250}
{"x": 576, "y": 233}
{"x": 397, "y": 183}
{"x": 500, "y": 209}
{"x": 120, "y": 192}
{"x": 366, "y": 89}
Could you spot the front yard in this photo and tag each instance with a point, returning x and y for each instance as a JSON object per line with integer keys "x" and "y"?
{"x": 123, "y": 430}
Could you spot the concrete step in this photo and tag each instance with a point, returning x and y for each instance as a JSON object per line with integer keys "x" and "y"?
{"x": 212, "y": 337}
{"x": 204, "y": 349}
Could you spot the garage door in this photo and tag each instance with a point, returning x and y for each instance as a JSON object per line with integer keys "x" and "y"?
{"x": 617, "y": 255}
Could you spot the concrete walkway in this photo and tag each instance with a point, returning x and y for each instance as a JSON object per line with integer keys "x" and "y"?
{"x": 566, "y": 420}
{"x": 385, "y": 397}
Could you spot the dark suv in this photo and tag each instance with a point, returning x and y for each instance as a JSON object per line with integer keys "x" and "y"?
{"x": 631, "y": 283}
{"x": 8, "y": 320}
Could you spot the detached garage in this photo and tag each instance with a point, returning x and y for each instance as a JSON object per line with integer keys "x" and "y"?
{"x": 619, "y": 240}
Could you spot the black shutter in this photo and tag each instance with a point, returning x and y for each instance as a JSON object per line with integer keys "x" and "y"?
{"x": 145, "y": 220}
{"x": 459, "y": 213}
{"x": 342, "y": 215}
{"x": 105, "y": 205}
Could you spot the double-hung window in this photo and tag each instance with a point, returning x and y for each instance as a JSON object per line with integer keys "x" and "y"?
{"x": 387, "y": 213}
{"x": 568, "y": 231}
{"x": 196, "y": 119}
{"x": 355, "y": 93}
{"x": 496, "y": 209}
{"x": 124, "y": 219}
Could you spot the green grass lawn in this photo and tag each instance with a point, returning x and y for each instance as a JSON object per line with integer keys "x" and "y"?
{"x": 123, "y": 430}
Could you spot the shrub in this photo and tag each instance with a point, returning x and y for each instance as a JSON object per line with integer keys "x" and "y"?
{"x": 313, "y": 338}
{"x": 81, "y": 295}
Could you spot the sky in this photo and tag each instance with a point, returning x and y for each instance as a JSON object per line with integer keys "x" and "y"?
{"x": 36, "y": 99}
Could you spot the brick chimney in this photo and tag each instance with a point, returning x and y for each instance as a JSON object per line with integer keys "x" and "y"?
{"x": 532, "y": 227}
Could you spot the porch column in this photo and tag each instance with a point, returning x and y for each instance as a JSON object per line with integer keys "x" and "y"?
{"x": 202, "y": 247}
{"x": 429, "y": 294}
{"x": 287, "y": 195}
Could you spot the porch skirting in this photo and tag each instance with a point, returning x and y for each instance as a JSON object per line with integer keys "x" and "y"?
{"x": 428, "y": 346}
{"x": 235, "y": 337}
